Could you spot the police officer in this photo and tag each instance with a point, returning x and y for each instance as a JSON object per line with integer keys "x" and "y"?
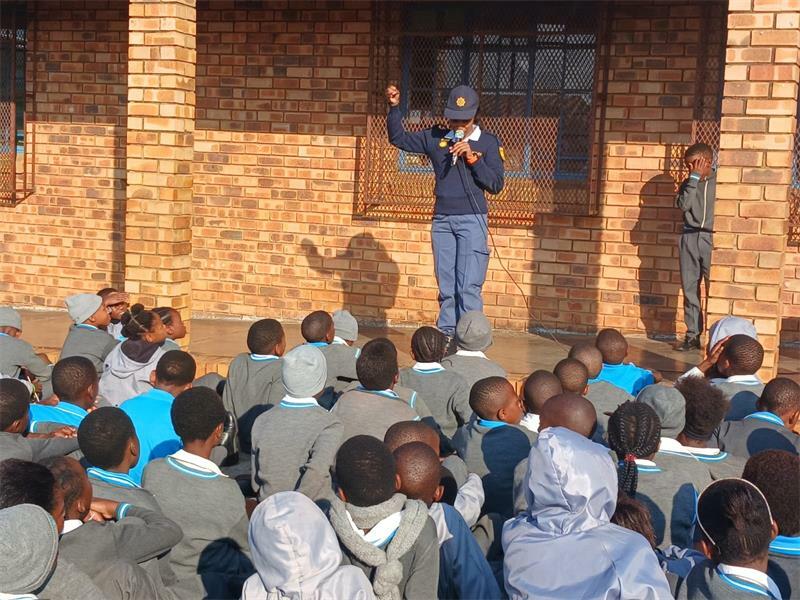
{"x": 467, "y": 162}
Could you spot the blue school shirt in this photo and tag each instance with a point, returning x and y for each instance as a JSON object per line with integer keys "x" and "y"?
{"x": 150, "y": 413}
{"x": 63, "y": 413}
{"x": 627, "y": 376}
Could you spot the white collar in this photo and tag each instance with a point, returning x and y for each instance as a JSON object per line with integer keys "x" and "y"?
{"x": 673, "y": 445}
{"x": 383, "y": 531}
{"x": 71, "y": 525}
{"x": 475, "y": 135}
{"x": 427, "y": 366}
{"x": 298, "y": 402}
{"x": 197, "y": 462}
{"x": 339, "y": 340}
{"x": 744, "y": 379}
{"x": 643, "y": 462}
{"x": 477, "y": 353}
{"x": 753, "y": 576}
{"x": 263, "y": 357}
{"x": 530, "y": 421}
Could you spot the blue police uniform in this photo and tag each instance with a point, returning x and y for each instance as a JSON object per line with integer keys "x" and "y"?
{"x": 460, "y": 227}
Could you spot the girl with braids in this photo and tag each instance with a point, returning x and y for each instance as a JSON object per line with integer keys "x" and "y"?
{"x": 128, "y": 367}
{"x": 667, "y": 484}
{"x": 445, "y": 392}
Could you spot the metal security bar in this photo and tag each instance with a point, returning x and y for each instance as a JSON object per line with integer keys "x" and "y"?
{"x": 794, "y": 188}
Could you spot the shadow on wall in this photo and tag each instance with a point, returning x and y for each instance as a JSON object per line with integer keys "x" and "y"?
{"x": 368, "y": 276}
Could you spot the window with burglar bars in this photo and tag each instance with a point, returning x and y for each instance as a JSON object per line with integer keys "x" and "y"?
{"x": 794, "y": 189}
{"x": 534, "y": 65}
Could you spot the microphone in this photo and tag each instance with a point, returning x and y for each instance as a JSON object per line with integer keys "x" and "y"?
{"x": 458, "y": 135}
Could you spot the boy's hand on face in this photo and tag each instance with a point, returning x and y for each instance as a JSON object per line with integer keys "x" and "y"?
{"x": 64, "y": 432}
{"x": 712, "y": 357}
{"x": 116, "y": 298}
{"x": 102, "y": 510}
{"x": 699, "y": 165}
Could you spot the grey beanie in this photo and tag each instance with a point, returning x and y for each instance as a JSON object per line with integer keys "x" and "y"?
{"x": 670, "y": 406}
{"x": 28, "y": 548}
{"x": 304, "y": 371}
{"x": 10, "y": 318}
{"x": 473, "y": 331}
{"x": 346, "y": 325}
{"x": 82, "y": 306}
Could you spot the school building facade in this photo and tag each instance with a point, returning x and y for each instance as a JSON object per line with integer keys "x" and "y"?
{"x": 229, "y": 158}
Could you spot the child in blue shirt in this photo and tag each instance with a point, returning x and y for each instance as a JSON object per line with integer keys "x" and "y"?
{"x": 614, "y": 348}
{"x": 75, "y": 383}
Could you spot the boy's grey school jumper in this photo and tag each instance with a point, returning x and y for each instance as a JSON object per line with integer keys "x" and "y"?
{"x": 405, "y": 563}
{"x": 605, "y": 397}
{"x": 89, "y": 342}
{"x": 15, "y": 445}
{"x": 743, "y": 395}
{"x": 16, "y": 354}
{"x": 341, "y": 361}
{"x": 492, "y": 450}
{"x": 784, "y": 564}
{"x": 720, "y": 464}
{"x": 294, "y": 447}
{"x": 120, "y": 487}
{"x": 254, "y": 386}
{"x": 472, "y": 366}
{"x": 445, "y": 392}
{"x": 707, "y": 580}
{"x": 756, "y": 432}
{"x": 368, "y": 412}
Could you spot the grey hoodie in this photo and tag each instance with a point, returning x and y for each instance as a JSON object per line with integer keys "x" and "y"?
{"x": 297, "y": 555}
{"x": 696, "y": 200}
{"x": 566, "y": 545}
{"x": 125, "y": 377}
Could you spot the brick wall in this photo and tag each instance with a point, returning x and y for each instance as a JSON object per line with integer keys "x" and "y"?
{"x": 790, "y": 298}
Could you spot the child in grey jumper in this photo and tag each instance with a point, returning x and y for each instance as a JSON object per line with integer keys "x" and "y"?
{"x": 254, "y": 378}
{"x": 295, "y": 443}
{"x": 537, "y": 389}
{"x": 88, "y": 336}
{"x": 208, "y": 506}
{"x": 341, "y": 353}
{"x": 445, "y": 392}
{"x": 473, "y": 336}
{"x": 319, "y": 330}
{"x": 17, "y": 357}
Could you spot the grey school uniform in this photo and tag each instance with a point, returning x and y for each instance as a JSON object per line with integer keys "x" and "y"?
{"x": 742, "y": 395}
{"x": 756, "y": 432}
{"x": 254, "y": 386}
{"x": 341, "y": 362}
{"x": 294, "y": 446}
{"x": 472, "y": 368}
{"x": 368, "y": 412}
{"x": 89, "y": 342}
{"x": 605, "y": 397}
{"x": 120, "y": 487}
{"x": 706, "y": 580}
{"x": 784, "y": 565}
{"x": 492, "y": 450}
{"x": 446, "y": 395}
{"x": 16, "y": 354}
{"x": 14, "y": 445}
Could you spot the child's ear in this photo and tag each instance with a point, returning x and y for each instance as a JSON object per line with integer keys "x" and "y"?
{"x": 773, "y": 531}
{"x": 585, "y": 390}
{"x": 707, "y": 548}
{"x": 153, "y": 378}
{"x": 398, "y": 483}
{"x": 396, "y": 379}
{"x": 218, "y": 431}
{"x": 340, "y": 493}
{"x": 437, "y": 495}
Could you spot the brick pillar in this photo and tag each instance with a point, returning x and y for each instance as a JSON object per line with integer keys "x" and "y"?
{"x": 758, "y": 121}
{"x": 162, "y": 58}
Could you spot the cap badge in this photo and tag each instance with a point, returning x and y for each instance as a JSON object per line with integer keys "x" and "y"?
{"x": 461, "y": 102}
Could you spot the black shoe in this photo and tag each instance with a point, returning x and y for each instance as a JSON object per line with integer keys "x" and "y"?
{"x": 689, "y": 343}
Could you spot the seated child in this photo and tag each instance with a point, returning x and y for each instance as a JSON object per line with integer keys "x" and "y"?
{"x": 573, "y": 489}
{"x": 670, "y": 406}
{"x": 605, "y": 396}
{"x": 297, "y": 554}
{"x": 573, "y": 375}
{"x": 732, "y": 366}
{"x": 192, "y": 491}
{"x": 340, "y": 353}
{"x": 727, "y": 327}
{"x": 771, "y": 427}
{"x": 777, "y": 474}
{"x": 538, "y": 388}
{"x": 493, "y": 443}
{"x": 295, "y": 443}
{"x": 378, "y": 527}
{"x": 254, "y": 378}
{"x": 318, "y": 330}
{"x": 666, "y": 483}
{"x": 150, "y": 412}
{"x": 88, "y": 336}
{"x": 463, "y": 570}
{"x": 473, "y": 336}
{"x": 127, "y": 368}
{"x": 737, "y": 528}
{"x": 17, "y": 357}
{"x": 173, "y": 323}
{"x": 373, "y": 406}
{"x": 14, "y": 419}
{"x": 445, "y": 392}
{"x": 75, "y": 384}
{"x": 614, "y": 348}
{"x": 109, "y": 445}
{"x": 116, "y": 310}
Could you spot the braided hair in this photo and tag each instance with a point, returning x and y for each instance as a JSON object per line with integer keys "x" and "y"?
{"x": 137, "y": 321}
{"x": 428, "y": 344}
{"x": 634, "y": 431}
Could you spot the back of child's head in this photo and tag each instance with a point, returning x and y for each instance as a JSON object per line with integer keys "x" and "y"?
{"x": 491, "y": 397}
{"x": 571, "y": 411}
{"x": 138, "y": 322}
{"x": 106, "y": 291}
{"x": 74, "y": 484}
{"x": 176, "y": 368}
{"x": 104, "y": 436}
{"x": 72, "y": 376}
{"x": 573, "y": 375}
{"x": 376, "y": 366}
{"x": 25, "y": 482}
{"x": 538, "y": 388}
{"x": 14, "y": 403}
{"x": 589, "y": 355}
{"x": 419, "y": 470}
{"x": 735, "y": 520}
{"x": 317, "y": 327}
{"x": 405, "y": 432}
{"x": 612, "y": 345}
{"x": 706, "y": 406}
{"x": 264, "y": 336}
{"x": 166, "y": 314}
{"x": 365, "y": 471}
{"x": 781, "y": 396}
{"x": 742, "y": 355}
{"x": 777, "y": 474}
{"x": 634, "y": 431}
{"x": 698, "y": 150}
{"x": 428, "y": 345}
{"x": 633, "y": 515}
{"x": 196, "y": 413}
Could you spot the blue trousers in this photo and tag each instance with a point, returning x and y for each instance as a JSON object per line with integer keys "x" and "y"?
{"x": 460, "y": 259}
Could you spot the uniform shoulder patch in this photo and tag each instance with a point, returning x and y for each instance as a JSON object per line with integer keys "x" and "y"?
{"x": 502, "y": 153}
